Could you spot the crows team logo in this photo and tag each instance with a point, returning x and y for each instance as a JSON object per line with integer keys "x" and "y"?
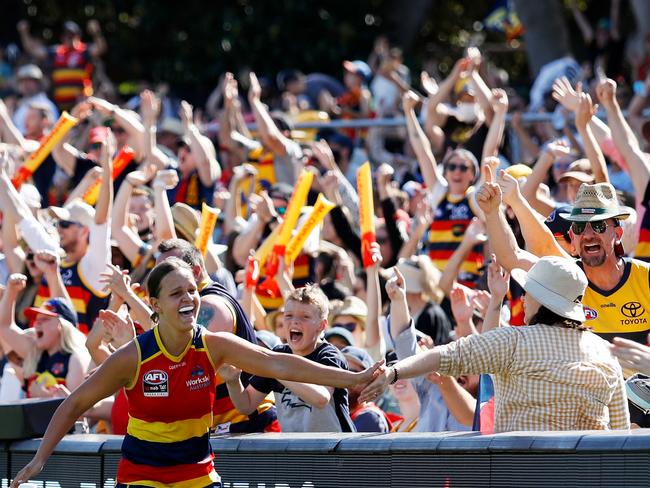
{"x": 590, "y": 313}
{"x": 155, "y": 383}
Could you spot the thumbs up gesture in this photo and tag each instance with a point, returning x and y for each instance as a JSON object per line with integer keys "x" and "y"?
{"x": 488, "y": 195}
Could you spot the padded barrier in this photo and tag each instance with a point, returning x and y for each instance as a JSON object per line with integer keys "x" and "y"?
{"x": 454, "y": 460}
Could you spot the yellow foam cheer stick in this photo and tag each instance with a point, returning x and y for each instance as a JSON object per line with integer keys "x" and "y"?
{"x": 366, "y": 213}
{"x": 35, "y": 159}
{"x": 316, "y": 216}
{"x": 120, "y": 162}
{"x": 208, "y": 220}
{"x": 298, "y": 199}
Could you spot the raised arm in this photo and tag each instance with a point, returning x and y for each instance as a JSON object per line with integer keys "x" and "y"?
{"x": 150, "y": 109}
{"x": 498, "y": 280}
{"x": 539, "y": 239}
{"x": 374, "y": 341}
{"x": 624, "y": 139}
{"x": 98, "y": 46}
{"x": 499, "y": 103}
{"x": 34, "y": 47}
{"x": 104, "y": 203}
{"x": 19, "y": 340}
{"x": 484, "y": 95}
{"x": 128, "y": 240}
{"x": 584, "y": 113}
{"x": 419, "y": 141}
{"x": 201, "y": 148}
{"x": 500, "y": 236}
{"x": 165, "y": 180}
{"x": 583, "y": 24}
{"x": 542, "y": 168}
{"x": 127, "y": 120}
{"x": 49, "y": 263}
{"x": 269, "y": 133}
{"x": 446, "y": 87}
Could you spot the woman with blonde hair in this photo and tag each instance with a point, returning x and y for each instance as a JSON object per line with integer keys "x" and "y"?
{"x": 55, "y": 359}
{"x": 424, "y": 295}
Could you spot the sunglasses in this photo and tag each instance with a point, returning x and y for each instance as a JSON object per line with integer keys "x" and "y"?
{"x": 96, "y": 146}
{"x": 66, "y": 224}
{"x": 29, "y": 256}
{"x": 599, "y": 227}
{"x": 460, "y": 167}
{"x": 349, "y": 326}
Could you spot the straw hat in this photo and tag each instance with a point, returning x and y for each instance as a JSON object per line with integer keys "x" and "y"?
{"x": 557, "y": 283}
{"x": 596, "y": 202}
{"x": 186, "y": 221}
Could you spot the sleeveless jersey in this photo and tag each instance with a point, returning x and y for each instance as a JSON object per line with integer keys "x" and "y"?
{"x": 226, "y": 416}
{"x": 625, "y": 310}
{"x": 71, "y": 74}
{"x": 452, "y": 217}
{"x": 50, "y": 370}
{"x": 642, "y": 250}
{"x": 86, "y": 302}
{"x": 170, "y": 413}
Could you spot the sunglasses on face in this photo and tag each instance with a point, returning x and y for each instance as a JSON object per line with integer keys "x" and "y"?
{"x": 66, "y": 224}
{"x": 350, "y": 326}
{"x": 29, "y": 256}
{"x": 454, "y": 166}
{"x": 599, "y": 227}
{"x": 96, "y": 146}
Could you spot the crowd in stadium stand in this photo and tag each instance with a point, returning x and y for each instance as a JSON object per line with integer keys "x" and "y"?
{"x": 500, "y": 268}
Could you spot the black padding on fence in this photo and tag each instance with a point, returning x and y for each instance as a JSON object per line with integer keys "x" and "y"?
{"x": 454, "y": 460}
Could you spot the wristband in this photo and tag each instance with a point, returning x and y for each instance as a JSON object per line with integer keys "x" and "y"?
{"x": 396, "y": 377}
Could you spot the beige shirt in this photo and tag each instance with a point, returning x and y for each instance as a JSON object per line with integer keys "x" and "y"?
{"x": 545, "y": 377}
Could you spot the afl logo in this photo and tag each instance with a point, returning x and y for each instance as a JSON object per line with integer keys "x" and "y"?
{"x": 632, "y": 309}
{"x": 155, "y": 377}
{"x": 590, "y": 313}
{"x": 155, "y": 384}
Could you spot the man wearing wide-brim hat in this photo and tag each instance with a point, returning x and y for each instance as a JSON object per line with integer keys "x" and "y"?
{"x": 617, "y": 299}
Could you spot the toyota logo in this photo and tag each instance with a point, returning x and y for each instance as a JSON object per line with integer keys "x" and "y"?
{"x": 632, "y": 309}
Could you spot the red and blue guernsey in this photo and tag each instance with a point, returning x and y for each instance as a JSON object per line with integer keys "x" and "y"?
{"x": 170, "y": 413}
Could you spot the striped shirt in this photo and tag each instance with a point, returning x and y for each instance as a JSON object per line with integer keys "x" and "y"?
{"x": 545, "y": 377}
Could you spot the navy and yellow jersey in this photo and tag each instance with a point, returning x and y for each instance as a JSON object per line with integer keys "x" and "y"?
{"x": 623, "y": 311}
{"x": 451, "y": 219}
{"x": 191, "y": 191}
{"x": 50, "y": 370}
{"x": 86, "y": 302}
{"x": 170, "y": 414}
{"x": 642, "y": 250}
{"x": 226, "y": 416}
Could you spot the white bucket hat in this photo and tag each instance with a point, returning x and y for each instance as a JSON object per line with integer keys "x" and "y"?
{"x": 557, "y": 283}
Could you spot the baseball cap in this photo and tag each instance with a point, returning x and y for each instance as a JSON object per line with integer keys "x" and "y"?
{"x": 54, "y": 307}
{"x": 344, "y": 334}
{"x": 579, "y": 170}
{"x": 29, "y": 71}
{"x": 359, "y": 355}
{"x": 358, "y": 67}
{"x": 75, "y": 211}
{"x": 557, "y": 224}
